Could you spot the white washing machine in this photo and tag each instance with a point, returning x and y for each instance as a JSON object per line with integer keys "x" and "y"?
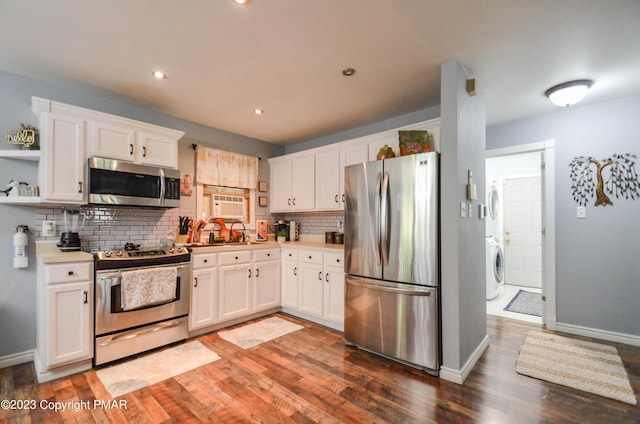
{"x": 494, "y": 209}
{"x": 495, "y": 268}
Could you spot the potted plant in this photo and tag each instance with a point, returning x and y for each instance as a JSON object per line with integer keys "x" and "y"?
{"x": 281, "y": 236}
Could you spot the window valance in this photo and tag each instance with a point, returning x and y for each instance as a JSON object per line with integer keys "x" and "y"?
{"x": 222, "y": 168}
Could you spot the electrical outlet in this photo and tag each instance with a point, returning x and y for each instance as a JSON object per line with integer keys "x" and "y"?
{"x": 470, "y": 211}
{"x": 463, "y": 209}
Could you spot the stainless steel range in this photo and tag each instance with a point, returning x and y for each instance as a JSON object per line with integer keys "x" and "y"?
{"x": 141, "y": 301}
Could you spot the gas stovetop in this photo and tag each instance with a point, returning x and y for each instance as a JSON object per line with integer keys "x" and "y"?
{"x": 137, "y": 258}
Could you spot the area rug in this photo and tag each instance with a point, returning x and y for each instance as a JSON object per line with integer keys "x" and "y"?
{"x": 253, "y": 334}
{"x": 142, "y": 372}
{"x": 525, "y": 302}
{"x": 582, "y": 365}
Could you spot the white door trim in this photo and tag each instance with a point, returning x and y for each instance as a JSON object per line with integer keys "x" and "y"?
{"x": 548, "y": 221}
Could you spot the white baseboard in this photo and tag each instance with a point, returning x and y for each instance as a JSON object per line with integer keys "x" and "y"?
{"x": 611, "y": 336}
{"x": 459, "y": 376}
{"x": 16, "y": 359}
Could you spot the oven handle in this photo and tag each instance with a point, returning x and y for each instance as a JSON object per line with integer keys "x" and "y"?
{"x": 128, "y": 336}
{"x": 118, "y": 274}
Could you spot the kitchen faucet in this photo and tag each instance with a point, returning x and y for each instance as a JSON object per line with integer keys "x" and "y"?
{"x": 231, "y": 237}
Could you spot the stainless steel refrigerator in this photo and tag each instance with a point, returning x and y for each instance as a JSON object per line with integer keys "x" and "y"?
{"x": 392, "y": 259}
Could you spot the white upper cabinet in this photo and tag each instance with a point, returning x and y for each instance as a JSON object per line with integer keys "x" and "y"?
{"x": 127, "y": 141}
{"x": 330, "y": 174}
{"x": 313, "y": 180}
{"x": 62, "y": 164}
{"x": 293, "y": 184}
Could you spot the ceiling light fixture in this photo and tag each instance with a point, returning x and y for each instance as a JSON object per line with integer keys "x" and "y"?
{"x": 568, "y": 93}
{"x": 258, "y": 111}
{"x": 347, "y": 72}
{"x": 242, "y": 2}
{"x": 159, "y": 74}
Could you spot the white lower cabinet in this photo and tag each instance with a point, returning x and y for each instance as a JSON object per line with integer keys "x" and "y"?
{"x": 310, "y": 295}
{"x": 290, "y": 278}
{"x": 235, "y": 284}
{"x": 314, "y": 285}
{"x": 267, "y": 279}
{"x": 64, "y": 319}
{"x": 204, "y": 292}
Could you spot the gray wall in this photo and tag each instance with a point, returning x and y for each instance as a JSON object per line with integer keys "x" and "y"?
{"x": 462, "y": 141}
{"x": 17, "y": 286}
{"x": 597, "y": 258}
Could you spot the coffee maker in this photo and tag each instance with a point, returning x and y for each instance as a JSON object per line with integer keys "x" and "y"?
{"x": 281, "y": 228}
{"x": 70, "y": 237}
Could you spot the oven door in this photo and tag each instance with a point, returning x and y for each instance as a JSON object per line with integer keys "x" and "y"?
{"x": 110, "y": 317}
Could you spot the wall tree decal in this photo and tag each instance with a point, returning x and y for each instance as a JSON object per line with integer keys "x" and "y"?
{"x": 622, "y": 179}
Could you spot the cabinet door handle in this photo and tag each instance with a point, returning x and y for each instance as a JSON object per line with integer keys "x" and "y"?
{"x": 205, "y": 261}
{"x": 294, "y": 201}
{"x": 79, "y": 186}
{"x": 268, "y": 254}
{"x": 336, "y": 198}
{"x": 70, "y": 273}
{"x": 326, "y": 277}
{"x": 295, "y": 271}
{"x": 342, "y": 197}
{"x": 320, "y": 276}
{"x": 289, "y": 201}
{"x": 257, "y": 272}
{"x": 249, "y": 273}
{"x": 131, "y": 149}
{"x": 144, "y": 151}
{"x": 86, "y": 297}
{"x": 195, "y": 281}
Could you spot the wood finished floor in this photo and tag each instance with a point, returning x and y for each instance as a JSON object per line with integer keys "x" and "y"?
{"x": 310, "y": 376}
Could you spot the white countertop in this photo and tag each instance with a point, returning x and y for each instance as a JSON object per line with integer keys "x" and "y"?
{"x": 309, "y": 243}
{"x": 48, "y": 252}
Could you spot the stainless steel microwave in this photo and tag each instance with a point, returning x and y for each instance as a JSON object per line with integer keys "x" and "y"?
{"x": 117, "y": 183}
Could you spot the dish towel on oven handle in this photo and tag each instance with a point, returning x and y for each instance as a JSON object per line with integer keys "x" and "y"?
{"x": 146, "y": 287}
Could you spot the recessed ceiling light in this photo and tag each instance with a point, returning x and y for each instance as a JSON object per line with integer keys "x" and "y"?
{"x": 347, "y": 72}
{"x": 568, "y": 93}
{"x": 242, "y": 2}
{"x": 159, "y": 74}
{"x": 258, "y": 111}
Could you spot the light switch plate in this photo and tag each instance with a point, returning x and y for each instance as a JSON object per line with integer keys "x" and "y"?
{"x": 581, "y": 212}
{"x": 470, "y": 210}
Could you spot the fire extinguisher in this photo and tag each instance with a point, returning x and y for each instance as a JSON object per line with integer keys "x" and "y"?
{"x": 20, "y": 243}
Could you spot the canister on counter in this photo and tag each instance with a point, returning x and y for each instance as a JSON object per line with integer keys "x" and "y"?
{"x": 339, "y": 238}
{"x": 261, "y": 230}
{"x": 330, "y": 237}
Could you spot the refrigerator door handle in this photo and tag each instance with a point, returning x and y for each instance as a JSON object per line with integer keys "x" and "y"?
{"x": 384, "y": 206}
{"x": 400, "y": 290}
{"x": 375, "y": 222}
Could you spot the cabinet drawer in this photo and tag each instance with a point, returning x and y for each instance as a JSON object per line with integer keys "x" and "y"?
{"x": 266, "y": 255}
{"x": 204, "y": 261}
{"x": 230, "y": 258}
{"x": 289, "y": 254}
{"x": 310, "y": 257}
{"x": 334, "y": 259}
{"x": 67, "y": 273}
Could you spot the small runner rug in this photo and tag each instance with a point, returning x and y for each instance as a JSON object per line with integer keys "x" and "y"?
{"x": 525, "y": 302}
{"x": 253, "y": 334}
{"x": 144, "y": 371}
{"x": 582, "y": 365}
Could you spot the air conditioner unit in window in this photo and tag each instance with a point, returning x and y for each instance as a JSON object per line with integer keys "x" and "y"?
{"x": 228, "y": 207}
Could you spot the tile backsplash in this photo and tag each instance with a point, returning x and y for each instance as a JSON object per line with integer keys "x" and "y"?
{"x": 109, "y": 228}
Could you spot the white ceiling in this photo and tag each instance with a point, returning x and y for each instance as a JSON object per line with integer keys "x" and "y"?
{"x": 286, "y": 56}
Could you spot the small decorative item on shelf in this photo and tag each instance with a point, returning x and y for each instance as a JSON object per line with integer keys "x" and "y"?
{"x": 385, "y": 152}
{"x": 27, "y": 136}
{"x": 412, "y": 142}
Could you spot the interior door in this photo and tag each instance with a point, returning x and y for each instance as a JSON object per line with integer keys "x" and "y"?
{"x": 523, "y": 231}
